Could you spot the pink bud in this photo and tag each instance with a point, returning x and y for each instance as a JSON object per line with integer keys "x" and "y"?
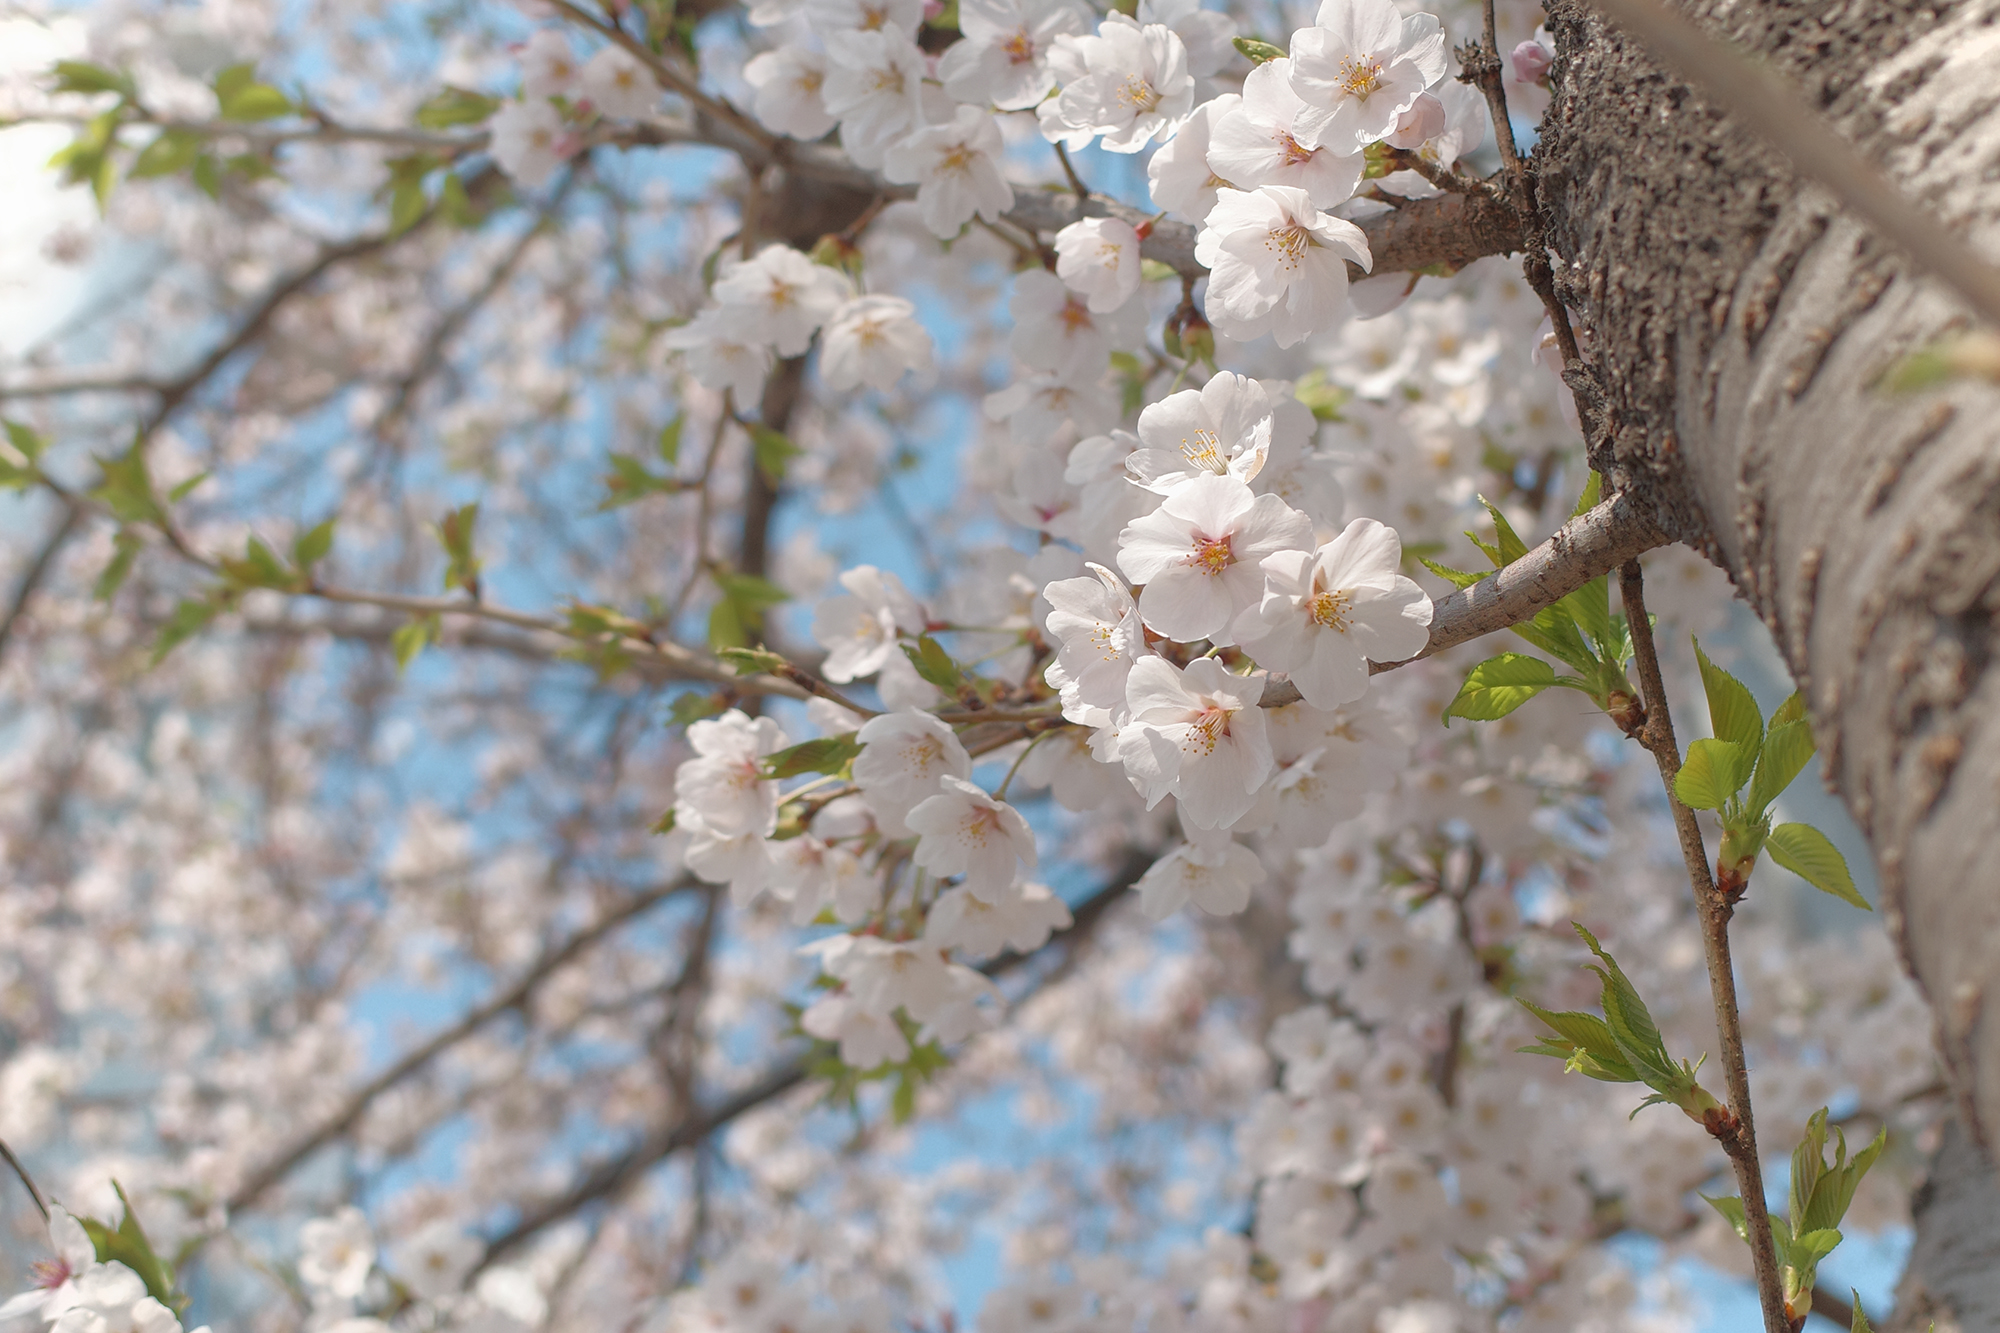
{"x": 1532, "y": 61}
{"x": 1419, "y": 125}
{"x": 932, "y": 8}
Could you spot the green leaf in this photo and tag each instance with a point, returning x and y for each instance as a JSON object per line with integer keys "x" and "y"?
{"x": 124, "y": 548}
{"x": 903, "y": 1104}
{"x": 1861, "y": 1324}
{"x": 189, "y": 619}
{"x": 934, "y": 664}
{"x": 1631, "y": 1023}
{"x": 455, "y": 534}
{"x": 1832, "y": 1189}
{"x": 828, "y": 754}
{"x": 1788, "y": 747}
{"x": 752, "y": 661}
{"x": 670, "y": 440}
{"x": 1499, "y": 685}
{"x": 27, "y": 441}
{"x": 128, "y": 1245}
{"x": 630, "y": 480}
{"x": 454, "y": 106}
{"x": 313, "y": 545}
{"x": 127, "y": 489}
{"x": 207, "y": 176}
{"x": 1258, "y": 52}
{"x": 1814, "y": 1246}
{"x": 186, "y": 488}
{"x": 1731, "y": 1209}
{"x": 1807, "y": 853}
{"x": 170, "y": 153}
{"x": 1321, "y": 396}
{"x": 1554, "y": 632}
{"x": 1457, "y": 578}
{"x": 80, "y": 76}
{"x": 1593, "y": 491}
{"x": 413, "y": 637}
{"x": 1512, "y": 548}
{"x": 1791, "y": 710}
{"x": 239, "y": 96}
{"x": 454, "y": 204}
{"x": 1585, "y": 1042}
{"x": 774, "y": 449}
{"x": 1732, "y": 712}
{"x": 693, "y": 706}
{"x": 259, "y": 567}
{"x": 407, "y": 202}
{"x": 1713, "y": 773}
{"x": 1155, "y": 270}
{"x": 1590, "y": 609}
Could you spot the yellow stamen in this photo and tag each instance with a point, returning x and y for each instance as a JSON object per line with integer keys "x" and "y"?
{"x": 1212, "y": 555}
{"x": 1358, "y": 78}
{"x": 1138, "y": 94}
{"x": 1205, "y": 452}
{"x": 1329, "y": 609}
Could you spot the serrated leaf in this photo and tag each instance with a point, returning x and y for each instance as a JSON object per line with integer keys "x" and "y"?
{"x": 189, "y": 618}
{"x": 312, "y": 545}
{"x": 1555, "y": 633}
{"x": 452, "y": 106}
{"x": 1793, "y": 709}
{"x": 1498, "y": 686}
{"x": 1590, "y": 610}
{"x": 1861, "y": 1324}
{"x": 773, "y": 449}
{"x": 1631, "y": 1023}
{"x": 407, "y": 202}
{"x": 412, "y": 638}
{"x": 1584, "y": 1042}
{"x": 1257, "y": 52}
{"x": 1787, "y": 748}
{"x": 124, "y": 549}
{"x": 827, "y": 754}
{"x": 171, "y": 152}
{"x": 1593, "y": 491}
{"x": 1714, "y": 772}
{"x": 934, "y": 664}
{"x": 1813, "y": 1246}
{"x": 670, "y": 440}
{"x": 1731, "y": 1209}
{"x": 1732, "y": 712}
{"x": 1457, "y": 578}
{"x": 1511, "y": 546}
{"x": 239, "y": 96}
{"x": 1809, "y": 854}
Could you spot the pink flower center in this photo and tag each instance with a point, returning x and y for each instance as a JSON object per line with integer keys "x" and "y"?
{"x": 1020, "y": 48}
{"x": 1075, "y": 315}
{"x": 1290, "y": 153}
{"x": 1358, "y": 78}
{"x": 51, "y": 1273}
{"x": 1211, "y": 554}
{"x": 1209, "y": 727}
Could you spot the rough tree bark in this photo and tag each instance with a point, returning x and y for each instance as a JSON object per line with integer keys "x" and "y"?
{"x": 1737, "y": 330}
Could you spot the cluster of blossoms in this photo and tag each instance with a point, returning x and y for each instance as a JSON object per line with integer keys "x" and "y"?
{"x": 1163, "y": 675}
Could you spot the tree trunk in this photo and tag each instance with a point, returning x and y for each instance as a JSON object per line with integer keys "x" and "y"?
{"x": 1737, "y": 331}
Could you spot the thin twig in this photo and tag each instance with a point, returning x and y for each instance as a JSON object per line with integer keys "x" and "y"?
{"x": 1657, "y": 735}
{"x": 1767, "y": 106}
{"x": 38, "y": 569}
{"x": 26, "y": 1179}
{"x": 1069, "y": 170}
{"x": 512, "y": 997}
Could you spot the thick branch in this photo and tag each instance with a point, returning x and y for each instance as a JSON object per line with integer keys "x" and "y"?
{"x": 1765, "y": 104}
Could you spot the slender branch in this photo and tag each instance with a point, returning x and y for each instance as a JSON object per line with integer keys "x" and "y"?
{"x": 671, "y": 77}
{"x": 1076, "y": 184}
{"x": 1767, "y": 106}
{"x": 26, "y": 1179}
{"x": 614, "y": 1175}
{"x": 1739, "y": 1140}
{"x": 512, "y": 997}
{"x": 38, "y": 569}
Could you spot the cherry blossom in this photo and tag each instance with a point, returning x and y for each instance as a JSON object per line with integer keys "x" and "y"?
{"x": 963, "y": 831}
{"x": 1055, "y": 328}
{"x": 1278, "y": 264}
{"x": 530, "y": 141}
{"x": 1359, "y": 68}
{"x": 1127, "y": 83}
{"x": 778, "y": 297}
{"x": 860, "y": 628}
{"x": 789, "y": 83}
{"x": 618, "y": 84}
{"x": 1003, "y": 56}
{"x": 1197, "y": 554}
{"x": 1221, "y": 429}
{"x": 873, "y": 340}
{"x": 904, "y": 760}
{"x": 1257, "y": 143}
{"x": 1197, "y": 734}
{"x": 1096, "y": 626}
{"x": 956, "y": 169}
{"x": 874, "y": 88}
{"x": 1099, "y": 259}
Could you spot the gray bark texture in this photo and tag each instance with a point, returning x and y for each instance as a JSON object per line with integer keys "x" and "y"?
{"x": 1737, "y": 327}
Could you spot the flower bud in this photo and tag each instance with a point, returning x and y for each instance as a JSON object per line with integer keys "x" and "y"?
{"x": 1532, "y": 61}
{"x": 1423, "y": 122}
